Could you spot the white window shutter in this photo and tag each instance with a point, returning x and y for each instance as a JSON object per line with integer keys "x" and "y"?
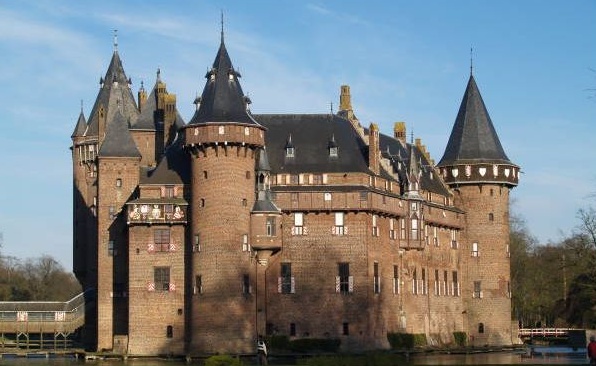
{"x": 350, "y": 283}
{"x": 337, "y": 283}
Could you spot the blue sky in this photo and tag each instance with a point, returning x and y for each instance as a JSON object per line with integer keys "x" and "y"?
{"x": 534, "y": 62}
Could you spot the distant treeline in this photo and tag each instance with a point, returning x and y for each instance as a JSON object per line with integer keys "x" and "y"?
{"x": 554, "y": 284}
{"x": 37, "y": 279}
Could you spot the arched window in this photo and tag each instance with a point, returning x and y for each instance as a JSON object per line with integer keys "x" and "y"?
{"x": 480, "y": 328}
{"x": 169, "y": 331}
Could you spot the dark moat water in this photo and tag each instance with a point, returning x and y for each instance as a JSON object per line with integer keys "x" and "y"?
{"x": 545, "y": 356}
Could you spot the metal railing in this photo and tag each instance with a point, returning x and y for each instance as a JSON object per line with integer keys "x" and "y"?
{"x": 43, "y": 316}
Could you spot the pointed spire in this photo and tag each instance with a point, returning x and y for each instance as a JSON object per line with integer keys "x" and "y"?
{"x": 222, "y": 99}
{"x": 473, "y": 138}
{"x": 81, "y": 125}
{"x": 222, "y": 27}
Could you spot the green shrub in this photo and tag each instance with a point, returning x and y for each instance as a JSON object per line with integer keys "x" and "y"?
{"x": 278, "y": 342}
{"x": 222, "y": 360}
{"x": 406, "y": 340}
{"x": 460, "y": 338}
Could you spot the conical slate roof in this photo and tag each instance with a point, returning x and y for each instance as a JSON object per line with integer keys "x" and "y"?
{"x": 81, "y": 126}
{"x": 222, "y": 99}
{"x": 115, "y": 94}
{"x": 118, "y": 141}
{"x": 473, "y": 138}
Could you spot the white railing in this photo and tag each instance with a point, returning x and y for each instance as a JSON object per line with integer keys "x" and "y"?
{"x": 544, "y": 332}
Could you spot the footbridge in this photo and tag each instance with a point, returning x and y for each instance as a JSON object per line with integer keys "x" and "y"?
{"x": 41, "y": 324}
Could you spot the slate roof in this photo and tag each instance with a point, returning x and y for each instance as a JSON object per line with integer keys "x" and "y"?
{"x": 222, "y": 99}
{"x": 115, "y": 94}
{"x": 473, "y": 138}
{"x": 118, "y": 141}
{"x": 173, "y": 168}
{"x": 311, "y": 134}
{"x": 81, "y": 126}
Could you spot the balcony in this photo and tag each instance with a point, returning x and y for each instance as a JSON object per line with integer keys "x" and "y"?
{"x": 157, "y": 211}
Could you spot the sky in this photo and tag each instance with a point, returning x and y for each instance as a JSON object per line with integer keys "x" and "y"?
{"x": 534, "y": 62}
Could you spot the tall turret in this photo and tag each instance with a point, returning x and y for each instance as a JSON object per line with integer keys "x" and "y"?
{"x": 223, "y": 139}
{"x": 476, "y": 167}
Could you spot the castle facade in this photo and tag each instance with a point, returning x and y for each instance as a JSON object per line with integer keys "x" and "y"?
{"x": 196, "y": 237}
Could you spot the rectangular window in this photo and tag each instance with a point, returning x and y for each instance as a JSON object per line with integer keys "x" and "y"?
{"x": 363, "y": 196}
{"x": 317, "y": 179}
{"x": 270, "y": 226}
{"x": 246, "y": 289}
{"x": 346, "y": 329}
{"x": 435, "y": 236}
{"x": 475, "y": 252}
{"x": 298, "y": 223}
{"x": 445, "y": 281}
{"x": 161, "y": 277}
{"x": 339, "y": 223}
{"x": 294, "y": 196}
{"x": 111, "y": 248}
{"x": 168, "y": 192}
{"x": 402, "y": 229}
{"x": 414, "y": 229}
{"x": 196, "y": 245}
{"x": 375, "y": 228}
{"x": 455, "y": 285}
{"x": 286, "y": 281}
{"x": 294, "y": 179}
{"x": 415, "y": 283}
{"x": 477, "y": 290}
{"x": 376, "y": 279}
{"x": 198, "y": 289}
{"x": 396, "y": 284}
{"x": 453, "y": 239}
{"x": 437, "y": 283}
{"x": 292, "y": 329}
{"x": 327, "y": 196}
{"x": 245, "y": 245}
{"x": 343, "y": 282}
{"x": 392, "y": 232}
{"x": 424, "y": 283}
{"x": 161, "y": 239}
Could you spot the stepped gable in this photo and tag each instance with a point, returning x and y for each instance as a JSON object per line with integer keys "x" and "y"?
{"x": 173, "y": 168}
{"x": 222, "y": 99}
{"x": 118, "y": 141}
{"x": 114, "y": 94}
{"x": 310, "y": 136}
{"x": 473, "y": 138}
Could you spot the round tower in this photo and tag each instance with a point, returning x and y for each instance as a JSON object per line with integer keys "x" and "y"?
{"x": 481, "y": 175}
{"x": 223, "y": 140}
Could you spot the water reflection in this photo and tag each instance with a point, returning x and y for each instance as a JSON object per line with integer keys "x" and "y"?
{"x": 553, "y": 357}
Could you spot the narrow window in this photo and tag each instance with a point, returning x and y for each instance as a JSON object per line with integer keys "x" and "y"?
{"x": 198, "y": 284}
{"x": 343, "y": 285}
{"x": 339, "y": 223}
{"x": 202, "y": 202}
{"x": 392, "y": 232}
{"x": 270, "y": 226}
{"x": 222, "y": 130}
{"x": 168, "y": 192}
{"x": 396, "y": 284}
{"x": 455, "y": 286}
{"x": 246, "y": 284}
{"x": 402, "y": 234}
{"x": 346, "y": 329}
{"x": 298, "y": 223}
{"x": 205, "y": 175}
{"x": 415, "y": 283}
{"x": 477, "y": 290}
{"x": 414, "y": 229}
{"x": 475, "y": 252}
{"x": 375, "y": 228}
{"x": 491, "y": 217}
{"x": 292, "y": 329}
{"x": 169, "y": 331}
{"x": 247, "y": 174}
{"x": 453, "y": 239}
{"x": 376, "y": 279}
{"x": 363, "y": 195}
{"x": 294, "y": 196}
{"x": 480, "y": 328}
{"x": 244, "y": 202}
{"x": 118, "y": 182}
{"x": 286, "y": 282}
{"x": 111, "y": 248}
{"x": 424, "y": 282}
{"x": 196, "y": 246}
{"x": 437, "y": 287}
{"x": 327, "y": 196}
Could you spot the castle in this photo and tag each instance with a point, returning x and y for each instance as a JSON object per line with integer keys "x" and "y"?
{"x": 195, "y": 238}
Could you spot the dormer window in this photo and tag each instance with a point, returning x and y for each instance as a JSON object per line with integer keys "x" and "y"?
{"x": 333, "y": 151}
{"x": 290, "y": 151}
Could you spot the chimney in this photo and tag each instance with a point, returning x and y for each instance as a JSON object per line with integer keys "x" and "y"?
{"x": 373, "y": 148}
{"x": 399, "y": 132}
{"x": 142, "y": 97}
{"x": 345, "y": 102}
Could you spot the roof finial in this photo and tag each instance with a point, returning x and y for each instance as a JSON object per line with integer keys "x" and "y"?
{"x": 222, "y": 27}
{"x": 115, "y": 40}
{"x": 158, "y": 74}
{"x": 81, "y": 105}
{"x": 331, "y": 107}
{"x": 471, "y": 60}
{"x": 412, "y": 136}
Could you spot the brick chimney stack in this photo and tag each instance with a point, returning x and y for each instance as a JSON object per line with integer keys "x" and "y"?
{"x": 373, "y": 148}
